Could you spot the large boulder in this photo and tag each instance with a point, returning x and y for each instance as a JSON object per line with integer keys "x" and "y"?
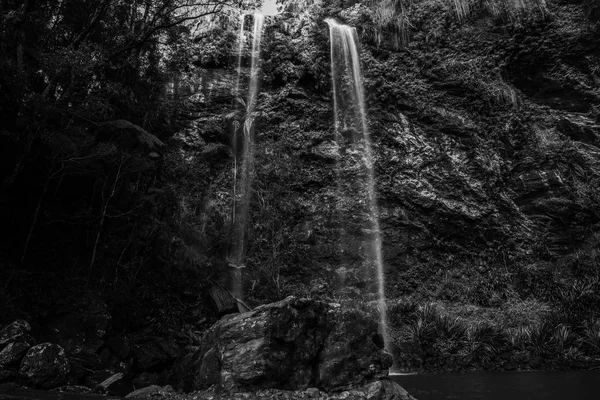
{"x": 15, "y": 340}
{"x": 17, "y": 331}
{"x": 46, "y": 365}
{"x": 14, "y": 352}
{"x": 291, "y": 344}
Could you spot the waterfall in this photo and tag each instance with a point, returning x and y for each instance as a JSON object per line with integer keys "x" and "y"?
{"x": 243, "y": 178}
{"x": 353, "y": 139}
{"x": 240, "y": 55}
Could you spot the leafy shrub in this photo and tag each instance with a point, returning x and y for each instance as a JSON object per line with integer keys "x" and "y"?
{"x": 490, "y": 290}
{"x": 484, "y": 342}
{"x": 591, "y": 335}
{"x": 538, "y": 281}
{"x": 580, "y": 298}
{"x": 540, "y": 339}
{"x": 563, "y": 338}
{"x": 519, "y": 337}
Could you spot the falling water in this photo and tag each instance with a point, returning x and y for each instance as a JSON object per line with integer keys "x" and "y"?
{"x": 243, "y": 180}
{"x": 350, "y": 125}
{"x": 240, "y": 55}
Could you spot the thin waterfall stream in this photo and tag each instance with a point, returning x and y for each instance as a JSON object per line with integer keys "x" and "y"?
{"x": 353, "y": 139}
{"x": 244, "y": 162}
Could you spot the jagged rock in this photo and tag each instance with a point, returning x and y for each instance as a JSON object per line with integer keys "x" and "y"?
{"x": 15, "y": 331}
{"x": 346, "y": 358}
{"x": 46, "y": 365}
{"x": 294, "y": 343}
{"x": 580, "y": 128}
{"x": 534, "y": 181}
{"x": 386, "y": 390}
{"x": 328, "y": 152}
{"x": 14, "y": 352}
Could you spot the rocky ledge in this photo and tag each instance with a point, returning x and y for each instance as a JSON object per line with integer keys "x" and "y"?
{"x": 291, "y": 349}
{"x": 310, "y": 349}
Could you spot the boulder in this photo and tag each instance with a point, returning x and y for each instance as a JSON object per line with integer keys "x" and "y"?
{"x": 291, "y": 344}
{"x": 580, "y": 128}
{"x": 14, "y": 332}
{"x": 386, "y": 390}
{"x": 46, "y": 365}
{"x": 14, "y": 352}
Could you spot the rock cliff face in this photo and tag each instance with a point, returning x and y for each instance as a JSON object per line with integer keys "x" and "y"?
{"x": 485, "y": 134}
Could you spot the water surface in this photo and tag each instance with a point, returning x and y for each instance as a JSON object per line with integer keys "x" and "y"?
{"x": 534, "y": 385}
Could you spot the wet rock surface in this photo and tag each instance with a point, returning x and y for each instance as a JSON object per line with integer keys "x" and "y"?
{"x": 46, "y": 365}
{"x": 14, "y": 352}
{"x": 292, "y": 344}
{"x": 380, "y": 390}
{"x": 14, "y": 332}
{"x": 78, "y": 353}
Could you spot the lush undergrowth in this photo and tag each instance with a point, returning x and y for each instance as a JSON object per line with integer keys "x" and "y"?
{"x": 517, "y": 336}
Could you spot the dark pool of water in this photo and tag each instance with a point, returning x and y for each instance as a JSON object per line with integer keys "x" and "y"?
{"x": 534, "y": 385}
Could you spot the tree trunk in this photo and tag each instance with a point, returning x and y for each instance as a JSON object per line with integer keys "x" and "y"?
{"x": 102, "y": 219}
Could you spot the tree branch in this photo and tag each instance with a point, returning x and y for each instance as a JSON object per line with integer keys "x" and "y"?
{"x": 164, "y": 13}
{"x": 97, "y": 16}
